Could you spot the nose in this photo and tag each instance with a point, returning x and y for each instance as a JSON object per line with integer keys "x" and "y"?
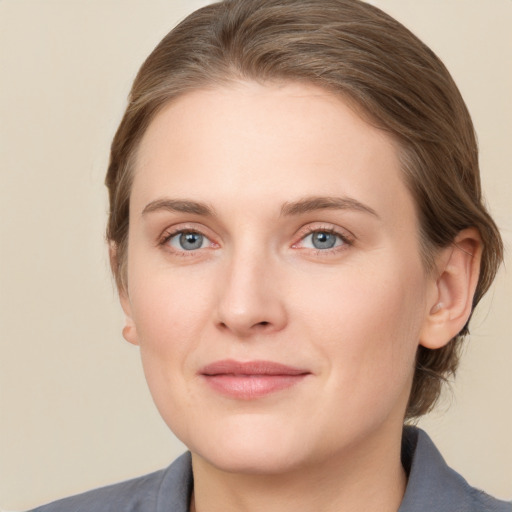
{"x": 250, "y": 299}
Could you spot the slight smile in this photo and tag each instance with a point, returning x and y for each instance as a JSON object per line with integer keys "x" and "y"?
{"x": 252, "y": 379}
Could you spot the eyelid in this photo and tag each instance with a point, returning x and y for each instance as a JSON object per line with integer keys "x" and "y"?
{"x": 346, "y": 236}
{"x": 186, "y": 227}
{"x": 191, "y": 227}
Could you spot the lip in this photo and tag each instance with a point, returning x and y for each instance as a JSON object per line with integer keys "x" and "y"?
{"x": 252, "y": 379}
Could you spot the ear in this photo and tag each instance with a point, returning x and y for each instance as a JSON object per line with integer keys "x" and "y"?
{"x": 451, "y": 301}
{"x": 129, "y": 330}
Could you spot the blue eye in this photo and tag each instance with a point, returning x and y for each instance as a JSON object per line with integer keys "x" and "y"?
{"x": 188, "y": 241}
{"x": 322, "y": 240}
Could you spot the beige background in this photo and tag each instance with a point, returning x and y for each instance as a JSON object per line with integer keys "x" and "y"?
{"x": 74, "y": 409}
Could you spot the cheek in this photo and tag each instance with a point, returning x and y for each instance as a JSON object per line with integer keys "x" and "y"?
{"x": 169, "y": 316}
{"x": 368, "y": 323}
{"x": 170, "y": 309}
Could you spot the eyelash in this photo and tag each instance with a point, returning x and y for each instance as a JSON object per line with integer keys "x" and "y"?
{"x": 346, "y": 239}
{"x": 169, "y": 235}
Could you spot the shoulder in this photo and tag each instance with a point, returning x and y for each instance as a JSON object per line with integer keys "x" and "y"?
{"x": 168, "y": 489}
{"x": 433, "y": 485}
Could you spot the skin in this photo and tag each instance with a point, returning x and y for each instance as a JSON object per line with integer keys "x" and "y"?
{"x": 257, "y": 288}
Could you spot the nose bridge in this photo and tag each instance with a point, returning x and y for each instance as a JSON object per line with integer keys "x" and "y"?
{"x": 249, "y": 296}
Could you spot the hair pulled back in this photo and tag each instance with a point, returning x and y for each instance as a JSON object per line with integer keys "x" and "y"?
{"x": 351, "y": 49}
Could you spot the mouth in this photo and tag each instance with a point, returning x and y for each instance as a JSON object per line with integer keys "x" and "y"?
{"x": 252, "y": 379}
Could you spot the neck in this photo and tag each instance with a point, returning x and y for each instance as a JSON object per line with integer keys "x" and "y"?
{"x": 369, "y": 478}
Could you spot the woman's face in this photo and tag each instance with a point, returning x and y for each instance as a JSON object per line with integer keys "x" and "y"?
{"x": 275, "y": 285}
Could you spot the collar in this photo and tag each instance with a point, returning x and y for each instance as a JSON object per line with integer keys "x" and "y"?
{"x": 432, "y": 485}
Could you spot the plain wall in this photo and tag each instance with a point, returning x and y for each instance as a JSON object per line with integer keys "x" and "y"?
{"x": 74, "y": 409}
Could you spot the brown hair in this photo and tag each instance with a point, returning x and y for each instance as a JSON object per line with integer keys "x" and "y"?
{"x": 353, "y": 49}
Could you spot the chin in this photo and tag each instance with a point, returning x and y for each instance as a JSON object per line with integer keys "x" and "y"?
{"x": 259, "y": 448}
{"x": 247, "y": 460}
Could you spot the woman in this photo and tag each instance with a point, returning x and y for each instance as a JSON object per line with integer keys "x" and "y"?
{"x": 298, "y": 238}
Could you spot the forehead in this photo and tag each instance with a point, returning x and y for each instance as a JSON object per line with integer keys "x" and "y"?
{"x": 253, "y": 142}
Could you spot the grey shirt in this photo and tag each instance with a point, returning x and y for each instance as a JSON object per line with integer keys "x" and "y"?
{"x": 432, "y": 486}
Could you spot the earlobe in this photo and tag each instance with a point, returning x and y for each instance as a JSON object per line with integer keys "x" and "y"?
{"x": 452, "y": 299}
{"x": 130, "y": 333}
{"x": 129, "y": 330}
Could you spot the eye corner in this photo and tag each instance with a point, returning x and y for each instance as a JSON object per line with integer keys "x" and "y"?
{"x": 330, "y": 239}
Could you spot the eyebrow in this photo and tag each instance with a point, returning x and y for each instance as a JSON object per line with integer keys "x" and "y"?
{"x": 310, "y": 204}
{"x": 179, "y": 205}
{"x": 300, "y": 207}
